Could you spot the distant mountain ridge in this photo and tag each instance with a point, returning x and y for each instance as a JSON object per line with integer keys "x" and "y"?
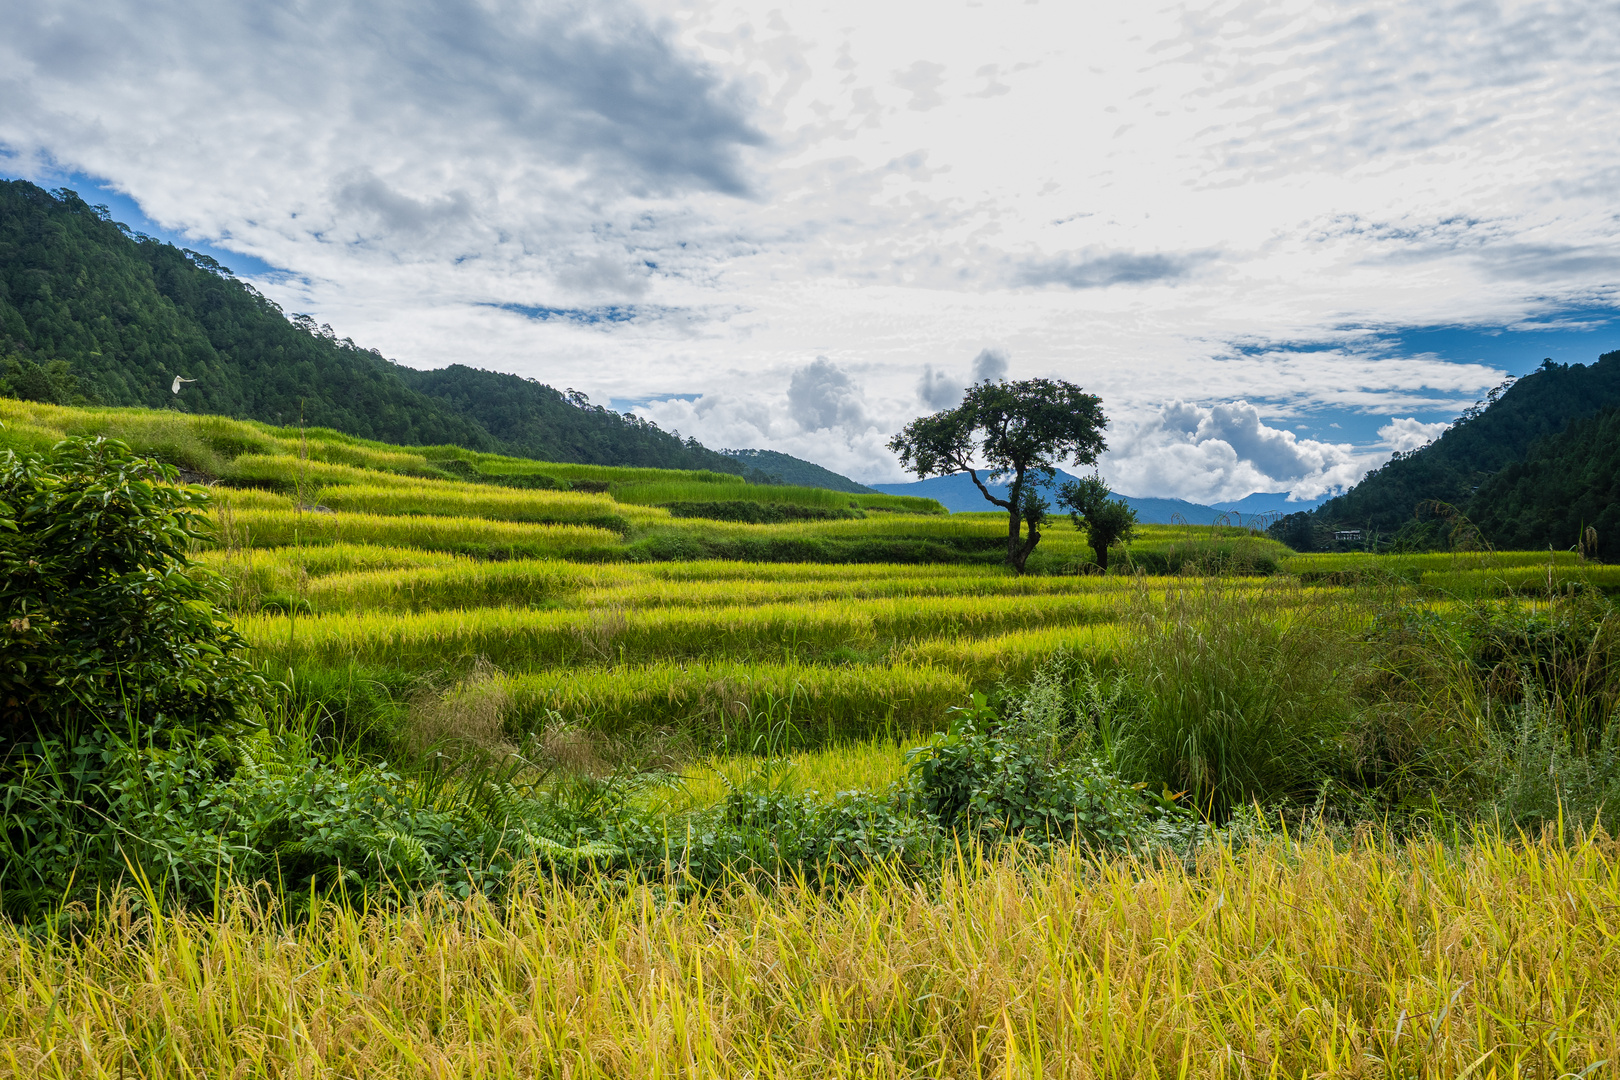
{"x": 958, "y": 493}
{"x": 1271, "y": 502}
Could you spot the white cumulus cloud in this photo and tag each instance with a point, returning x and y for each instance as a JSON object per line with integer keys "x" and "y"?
{"x": 1409, "y": 433}
{"x": 1208, "y": 453}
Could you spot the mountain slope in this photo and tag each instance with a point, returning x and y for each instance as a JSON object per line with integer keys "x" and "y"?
{"x": 91, "y": 312}
{"x": 1484, "y": 441}
{"x": 957, "y": 493}
{"x": 798, "y": 472}
{"x": 1566, "y": 483}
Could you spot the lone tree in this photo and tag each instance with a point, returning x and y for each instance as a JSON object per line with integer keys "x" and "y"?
{"x": 1018, "y": 432}
{"x": 1107, "y": 521}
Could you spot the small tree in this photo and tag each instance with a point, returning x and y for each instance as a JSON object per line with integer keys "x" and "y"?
{"x": 102, "y": 618}
{"x": 1106, "y": 520}
{"x": 1018, "y": 432}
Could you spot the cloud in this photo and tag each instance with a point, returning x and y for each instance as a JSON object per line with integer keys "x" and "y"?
{"x": 938, "y": 390}
{"x": 990, "y": 365}
{"x": 419, "y": 128}
{"x": 922, "y": 79}
{"x": 1102, "y": 270}
{"x": 1225, "y": 451}
{"x": 851, "y": 445}
{"x": 1407, "y": 434}
{"x": 821, "y": 396}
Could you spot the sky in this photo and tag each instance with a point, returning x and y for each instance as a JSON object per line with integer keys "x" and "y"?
{"x": 1280, "y": 240}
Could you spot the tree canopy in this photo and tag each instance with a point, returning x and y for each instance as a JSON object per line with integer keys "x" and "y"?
{"x": 1016, "y": 433}
{"x": 1106, "y": 520}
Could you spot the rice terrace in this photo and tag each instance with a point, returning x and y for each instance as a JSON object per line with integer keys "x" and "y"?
{"x": 647, "y": 540}
{"x": 560, "y": 783}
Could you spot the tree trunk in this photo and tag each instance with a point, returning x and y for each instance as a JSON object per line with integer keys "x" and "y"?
{"x": 1102, "y": 556}
{"x": 1020, "y": 553}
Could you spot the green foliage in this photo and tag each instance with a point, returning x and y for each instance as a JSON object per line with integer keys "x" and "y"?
{"x": 1107, "y": 521}
{"x": 103, "y": 619}
{"x": 52, "y": 382}
{"x": 1566, "y": 485}
{"x": 1019, "y": 430}
{"x": 1026, "y": 778}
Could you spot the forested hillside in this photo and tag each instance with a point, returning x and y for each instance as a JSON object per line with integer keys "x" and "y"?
{"x": 1566, "y": 484}
{"x": 92, "y": 313}
{"x": 1485, "y": 440}
{"x": 772, "y": 466}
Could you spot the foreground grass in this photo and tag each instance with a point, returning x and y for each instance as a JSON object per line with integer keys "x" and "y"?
{"x": 1498, "y": 959}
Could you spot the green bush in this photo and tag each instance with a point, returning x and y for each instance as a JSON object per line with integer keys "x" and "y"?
{"x": 102, "y": 618}
{"x": 1028, "y": 777}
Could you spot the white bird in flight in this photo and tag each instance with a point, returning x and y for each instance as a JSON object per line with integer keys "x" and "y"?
{"x": 177, "y": 381}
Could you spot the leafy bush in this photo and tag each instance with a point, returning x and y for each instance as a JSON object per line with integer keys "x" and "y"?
{"x": 274, "y": 804}
{"x": 1027, "y": 779}
{"x": 102, "y": 618}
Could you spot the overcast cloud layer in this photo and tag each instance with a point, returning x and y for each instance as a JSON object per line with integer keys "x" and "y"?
{"x": 798, "y": 229}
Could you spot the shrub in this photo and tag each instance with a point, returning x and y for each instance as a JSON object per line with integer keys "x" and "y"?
{"x": 102, "y": 617}
{"x": 1027, "y": 777}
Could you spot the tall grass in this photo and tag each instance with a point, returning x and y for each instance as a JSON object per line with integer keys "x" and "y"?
{"x": 1279, "y": 960}
{"x": 1244, "y": 694}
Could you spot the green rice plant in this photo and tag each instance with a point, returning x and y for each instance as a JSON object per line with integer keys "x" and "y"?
{"x": 900, "y": 504}
{"x": 1348, "y": 566}
{"x": 528, "y": 639}
{"x": 250, "y": 499}
{"x": 520, "y": 583}
{"x": 438, "y": 499}
{"x": 471, "y": 536}
{"x": 1524, "y": 580}
{"x": 722, "y": 702}
{"x": 860, "y": 764}
{"x": 988, "y": 660}
{"x": 318, "y": 561}
{"x": 204, "y": 444}
{"x": 1206, "y": 553}
{"x": 896, "y": 583}
{"x": 658, "y": 492}
{"x": 336, "y": 448}
{"x": 286, "y": 473}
